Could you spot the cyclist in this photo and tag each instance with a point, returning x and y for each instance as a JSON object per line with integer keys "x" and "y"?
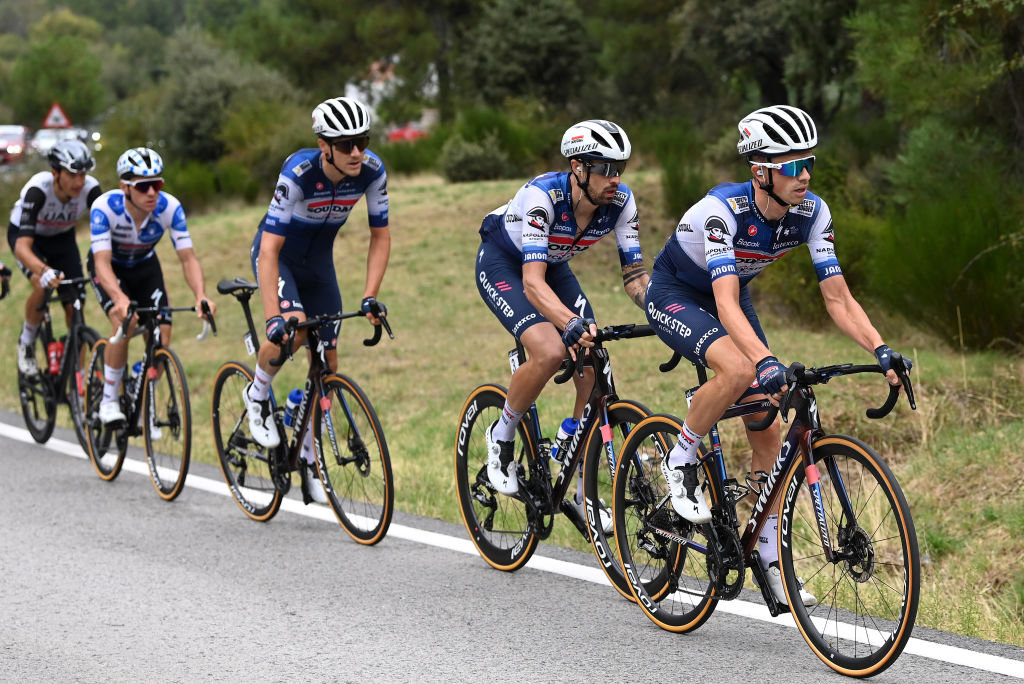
{"x": 42, "y": 234}
{"x": 126, "y": 224}
{"x": 699, "y": 304}
{"x": 292, "y": 253}
{"x": 523, "y": 274}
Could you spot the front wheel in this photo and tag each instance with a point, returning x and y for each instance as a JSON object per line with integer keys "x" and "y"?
{"x": 244, "y": 462}
{"x": 865, "y": 574}
{"x": 353, "y": 461}
{"x": 38, "y": 399}
{"x": 77, "y": 379}
{"x": 598, "y": 477}
{"x": 105, "y": 460}
{"x": 499, "y": 525}
{"x": 664, "y": 557}
{"x": 167, "y": 424}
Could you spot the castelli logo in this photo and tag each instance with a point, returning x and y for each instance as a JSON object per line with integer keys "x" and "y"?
{"x": 752, "y": 230}
{"x": 319, "y": 186}
{"x": 565, "y": 216}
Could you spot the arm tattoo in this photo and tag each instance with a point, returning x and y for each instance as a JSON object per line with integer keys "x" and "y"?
{"x": 634, "y": 281}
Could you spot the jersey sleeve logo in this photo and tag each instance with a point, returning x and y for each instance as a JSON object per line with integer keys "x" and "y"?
{"x": 302, "y": 168}
{"x": 556, "y": 195}
{"x": 620, "y": 198}
{"x": 716, "y": 229}
{"x": 280, "y": 193}
{"x": 738, "y": 204}
{"x": 805, "y": 208}
{"x": 538, "y": 218}
{"x": 829, "y": 232}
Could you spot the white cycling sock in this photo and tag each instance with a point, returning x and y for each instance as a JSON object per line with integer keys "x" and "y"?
{"x": 685, "y": 451}
{"x": 260, "y": 384}
{"x": 767, "y": 545}
{"x": 111, "y": 382}
{"x": 28, "y": 333}
{"x": 308, "y": 455}
{"x": 505, "y": 430}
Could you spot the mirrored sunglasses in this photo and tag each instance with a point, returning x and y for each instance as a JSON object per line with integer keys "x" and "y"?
{"x": 144, "y": 186}
{"x": 791, "y": 168}
{"x": 345, "y": 146}
{"x": 607, "y": 169}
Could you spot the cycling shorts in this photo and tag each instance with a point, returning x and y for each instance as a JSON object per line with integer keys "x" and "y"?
{"x": 306, "y": 289}
{"x": 59, "y": 252}
{"x": 499, "y": 279}
{"x": 143, "y": 284}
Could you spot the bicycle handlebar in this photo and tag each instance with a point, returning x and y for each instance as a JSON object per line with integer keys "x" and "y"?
{"x": 134, "y": 308}
{"x": 293, "y": 324}
{"x": 606, "y": 334}
{"x": 51, "y": 293}
{"x": 797, "y": 375}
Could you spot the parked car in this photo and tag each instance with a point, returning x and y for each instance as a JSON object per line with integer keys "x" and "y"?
{"x": 45, "y": 138}
{"x": 13, "y": 142}
{"x": 408, "y": 133}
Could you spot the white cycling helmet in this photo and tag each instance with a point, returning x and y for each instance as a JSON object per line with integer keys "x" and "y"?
{"x": 340, "y": 117}
{"x": 139, "y": 161}
{"x": 73, "y": 155}
{"x": 596, "y": 139}
{"x": 776, "y": 130}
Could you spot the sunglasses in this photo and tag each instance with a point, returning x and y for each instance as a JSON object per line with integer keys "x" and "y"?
{"x": 607, "y": 169}
{"x": 345, "y": 146}
{"x": 144, "y": 186}
{"x": 791, "y": 168}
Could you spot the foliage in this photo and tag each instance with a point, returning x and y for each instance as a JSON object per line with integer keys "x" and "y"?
{"x": 679, "y": 148}
{"x": 468, "y": 160}
{"x": 59, "y": 68}
{"x": 258, "y": 134}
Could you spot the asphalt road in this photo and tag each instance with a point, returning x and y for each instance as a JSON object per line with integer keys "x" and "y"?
{"x": 105, "y": 582}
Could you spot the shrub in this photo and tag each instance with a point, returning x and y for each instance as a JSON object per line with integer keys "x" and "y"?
{"x": 678, "y": 147}
{"x": 466, "y": 160}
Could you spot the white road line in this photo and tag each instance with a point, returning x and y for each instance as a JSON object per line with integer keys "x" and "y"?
{"x": 753, "y": 611}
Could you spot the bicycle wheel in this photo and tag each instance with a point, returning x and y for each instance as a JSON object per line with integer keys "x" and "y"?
{"x": 167, "y": 424}
{"x": 663, "y": 556}
{"x": 244, "y": 462}
{"x": 598, "y": 484}
{"x": 868, "y": 591}
{"x": 75, "y": 392}
{"x": 353, "y": 461}
{"x": 105, "y": 460}
{"x": 499, "y": 525}
{"x": 38, "y": 398}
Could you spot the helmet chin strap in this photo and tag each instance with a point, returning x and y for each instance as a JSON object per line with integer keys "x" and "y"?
{"x": 330, "y": 158}
{"x": 769, "y": 188}
{"x": 583, "y": 185}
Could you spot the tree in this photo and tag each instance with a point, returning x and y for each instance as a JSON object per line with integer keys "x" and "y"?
{"x": 61, "y": 69}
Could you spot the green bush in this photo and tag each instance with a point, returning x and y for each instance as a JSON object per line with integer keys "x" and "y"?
{"x": 465, "y": 160}
{"x": 678, "y": 147}
{"x": 194, "y": 183}
{"x": 418, "y": 156}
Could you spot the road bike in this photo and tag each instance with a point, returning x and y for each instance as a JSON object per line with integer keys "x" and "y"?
{"x": 352, "y": 458}
{"x": 506, "y": 529}
{"x": 60, "y": 378}
{"x": 846, "y": 534}
{"x": 154, "y": 398}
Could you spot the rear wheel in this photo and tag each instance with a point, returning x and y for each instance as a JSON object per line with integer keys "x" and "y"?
{"x": 106, "y": 460}
{"x": 353, "y": 460}
{"x": 499, "y": 525}
{"x": 598, "y": 481}
{"x": 244, "y": 462}
{"x": 77, "y": 380}
{"x": 38, "y": 397}
{"x": 867, "y": 592}
{"x": 663, "y": 556}
{"x": 167, "y": 424}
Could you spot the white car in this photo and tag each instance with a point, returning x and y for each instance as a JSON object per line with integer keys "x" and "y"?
{"x": 46, "y": 138}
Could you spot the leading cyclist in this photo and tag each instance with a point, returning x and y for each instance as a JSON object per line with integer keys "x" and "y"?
{"x": 699, "y": 305}
{"x": 42, "y": 234}
{"x": 292, "y": 253}
{"x": 523, "y": 274}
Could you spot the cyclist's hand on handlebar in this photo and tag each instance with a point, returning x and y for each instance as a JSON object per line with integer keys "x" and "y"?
{"x": 51, "y": 277}
{"x": 212, "y": 305}
{"x": 771, "y": 376}
{"x": 276, "y": 329}
{"x": 373, "y": 309}
{"x": 883, "y": 353}
{"x": 579, "y": 333}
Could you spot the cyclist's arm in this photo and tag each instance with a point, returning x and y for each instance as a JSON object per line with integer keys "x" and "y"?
{"x": 727, "y": 299}
{"x": 848, "y": 314}
{"x": 377, "y": 261}
{"x": 267, "y": 272}
{"x": 23, "y": 252}
{"x": 627, "y": 238}
{"x": 543, "y": 297}
{"x": 108, "y": 281}
{"x": 33, "y": 202}
{"x": 194, "y": 277}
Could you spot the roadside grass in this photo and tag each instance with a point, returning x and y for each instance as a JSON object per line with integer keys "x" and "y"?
{"x": 957, "y": 456}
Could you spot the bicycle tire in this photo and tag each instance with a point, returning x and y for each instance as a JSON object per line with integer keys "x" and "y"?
{"x": 167, "y": 412}
{"x": 98, "y": 436}
{"x": 353, "y": 462}
{"x": 867, "y": 603}
{"x": 669, "y": 580}
{"x": 598, "y": 484}
{"x": 75, "y": 391}
{"x": 38, "y": 397}
{"x": 499, "y": 526}
{"x": 244, "y": 462}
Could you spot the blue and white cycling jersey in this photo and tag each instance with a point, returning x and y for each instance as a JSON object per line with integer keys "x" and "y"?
{"x": 726, "y": 234}
{"x": 538, "y": 223}
{"x": 308, "y": 209}
{"x": 113, "y": 228}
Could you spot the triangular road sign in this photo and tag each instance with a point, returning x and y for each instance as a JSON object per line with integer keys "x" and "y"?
{"x": 56, "y": 118}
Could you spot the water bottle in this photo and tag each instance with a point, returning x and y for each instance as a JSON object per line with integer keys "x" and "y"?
{"x": 565, "y": 432}
{"x": 135, "y": 380}
{"x": 54, "y": 353}
{"x": 137, "y": 368}
{"x": 293, "y": 401}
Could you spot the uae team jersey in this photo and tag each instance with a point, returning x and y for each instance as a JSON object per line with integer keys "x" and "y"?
{"x": 725, "y": 234}
{"x": 39, "y": 214}
{"x": 538, "y": 223}
{"x": 114, "y": 229}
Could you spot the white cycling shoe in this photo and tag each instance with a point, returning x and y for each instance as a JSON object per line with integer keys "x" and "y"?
{"x": 607, "y": 524}
{"x": 502, "y": 478}
{"x": 779, "y": 591}
{"x": 684, "y": 488}
{"x": 261, "y": 421}
{"x": 110, "y": 412}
